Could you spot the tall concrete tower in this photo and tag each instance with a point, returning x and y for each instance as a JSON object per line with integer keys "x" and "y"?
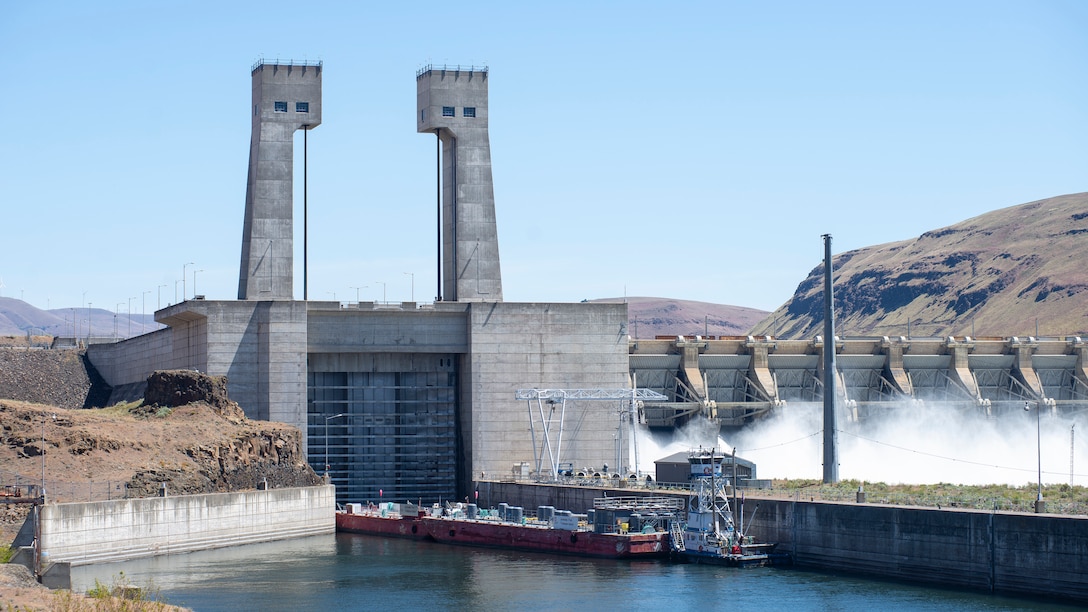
{"x": 452, "y": 103}
{"x": 286, "y": 97}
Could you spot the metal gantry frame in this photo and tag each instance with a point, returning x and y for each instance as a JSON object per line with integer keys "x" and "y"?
{"x": 547, "y": 419}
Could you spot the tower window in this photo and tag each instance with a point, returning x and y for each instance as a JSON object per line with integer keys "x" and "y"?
{"x": 447, "y": 111}
{"x": 470, "y": 111}
{"x": 423, "y": 115}
{"x": 281, "y": 107}
{"x": 302, "y": 107}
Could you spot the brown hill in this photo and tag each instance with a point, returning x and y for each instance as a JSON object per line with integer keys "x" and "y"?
{"x": 1018, "y": 271}
{"x": 650, "y": 316}
{"x": 18, "y": 318}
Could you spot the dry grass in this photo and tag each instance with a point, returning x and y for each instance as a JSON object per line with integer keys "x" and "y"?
{"x": 1060, "y": 499}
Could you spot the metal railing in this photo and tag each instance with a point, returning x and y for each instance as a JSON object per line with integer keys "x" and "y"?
{"x": 448, "y": 68}
{"x": 261, "y": 62}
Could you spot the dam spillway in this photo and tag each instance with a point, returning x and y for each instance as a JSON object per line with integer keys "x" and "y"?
{"x": 736, "y": 379}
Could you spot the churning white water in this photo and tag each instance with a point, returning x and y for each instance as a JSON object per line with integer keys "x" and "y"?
{"x": 914, "y": 444}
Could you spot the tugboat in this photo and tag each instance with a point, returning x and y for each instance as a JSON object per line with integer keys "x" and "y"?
{"x": 709, "y": 534}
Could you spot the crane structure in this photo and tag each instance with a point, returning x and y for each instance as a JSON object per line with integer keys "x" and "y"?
{"x": 544, "y": 404}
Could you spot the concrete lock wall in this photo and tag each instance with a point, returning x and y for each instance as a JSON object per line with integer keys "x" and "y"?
{"x": 999, "y": 552}
{"x": 1009, "y": 553}
{"x": 96, "y": 532}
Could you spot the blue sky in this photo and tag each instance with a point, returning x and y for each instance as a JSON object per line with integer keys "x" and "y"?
{"x": 693, "y": 152}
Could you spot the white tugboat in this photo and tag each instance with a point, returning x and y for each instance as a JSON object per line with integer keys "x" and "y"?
{"x": 710, "y": 535}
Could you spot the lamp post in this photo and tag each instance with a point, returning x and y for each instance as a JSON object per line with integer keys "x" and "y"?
{"x": 357, "y": 292}
{"x": 143, "y": 310}
{"x": 130, "y": 316}
{"x": 383, "y": 290}
{"x": 183, "y": 279}
{"x": 1040, "y": 505}
{"x": 43, "y": 455}
{"x": 116, "y": 311}
{"x": 413, "y": 275}
{"x": 327, "y": 419}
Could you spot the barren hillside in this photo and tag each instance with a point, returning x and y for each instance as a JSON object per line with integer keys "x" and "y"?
{"x": 651, "y": 316}
{"x": 1018, "y": 271}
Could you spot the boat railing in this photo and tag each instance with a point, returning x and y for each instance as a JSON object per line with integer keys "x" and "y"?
{"x": 660, "y": 505}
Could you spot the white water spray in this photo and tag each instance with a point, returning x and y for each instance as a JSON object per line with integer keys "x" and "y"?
{"x": 908, "y": 444}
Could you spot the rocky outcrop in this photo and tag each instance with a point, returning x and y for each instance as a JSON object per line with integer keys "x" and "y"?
{"x": 171, "y": 388}
{"x": 203, "y": 446}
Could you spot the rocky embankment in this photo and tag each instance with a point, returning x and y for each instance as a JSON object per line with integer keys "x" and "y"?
{"x": 186, "y": 434}
{"x": 55, "y": 377}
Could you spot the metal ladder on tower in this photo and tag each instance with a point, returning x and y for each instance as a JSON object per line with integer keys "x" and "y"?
{"x": 676, "y": 536}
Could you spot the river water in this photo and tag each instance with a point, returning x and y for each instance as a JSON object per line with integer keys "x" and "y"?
{"x": 355, "y": 572}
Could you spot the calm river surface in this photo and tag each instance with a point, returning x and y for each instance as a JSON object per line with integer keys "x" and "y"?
{"x": 355, "y": 572}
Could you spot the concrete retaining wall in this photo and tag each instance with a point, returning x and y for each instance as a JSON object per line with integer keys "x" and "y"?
{"x": 117, "y": 530}
{"x": 128, "y": 363}
{"x": 999, "y": 552}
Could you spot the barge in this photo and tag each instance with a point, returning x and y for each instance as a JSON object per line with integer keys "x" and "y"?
{"x": 385, "y": 519}
{"x": 616, "y": 528}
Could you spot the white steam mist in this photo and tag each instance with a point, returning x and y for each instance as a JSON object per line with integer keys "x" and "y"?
{"x": 913, "y": 444}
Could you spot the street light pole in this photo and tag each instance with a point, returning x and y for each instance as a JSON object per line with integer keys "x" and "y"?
{"x": 183, "y": 279}
{"x": 327, "y": 419}
{"x": 143, "y": 311}
{"x": 383, "y": 290}
{"x": 357, "y": 292}
{"x": 43, "y": 454}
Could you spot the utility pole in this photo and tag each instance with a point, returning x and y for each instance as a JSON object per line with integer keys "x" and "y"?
{"x": 831, "y": 456}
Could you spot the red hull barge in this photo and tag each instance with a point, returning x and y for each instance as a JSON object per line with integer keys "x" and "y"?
{"x": 382, "y": 521}
{"x": 546, "y": 539}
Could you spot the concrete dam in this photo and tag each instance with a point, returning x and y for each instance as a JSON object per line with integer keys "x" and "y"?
{"x": 417, "y": 401}
{"x": 735, "y": 380}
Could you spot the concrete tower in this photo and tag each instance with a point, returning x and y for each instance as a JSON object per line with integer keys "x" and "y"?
{"x": 452, "y": 103}
{"x": 286, "y": 97}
